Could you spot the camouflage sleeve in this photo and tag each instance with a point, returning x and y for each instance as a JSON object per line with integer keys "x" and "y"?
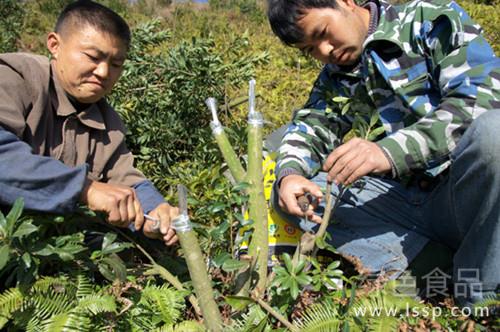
{"x": 467, "y": 74}
{"x": 312, "y": 135}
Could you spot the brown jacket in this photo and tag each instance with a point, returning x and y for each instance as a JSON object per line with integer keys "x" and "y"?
{"x": 36, "y": 109}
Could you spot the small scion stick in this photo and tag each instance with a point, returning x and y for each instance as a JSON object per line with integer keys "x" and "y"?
{"x": 182, "y": 192}
{"x": 251, "y": 97}
{"x": 212, "y": 106}
{"x": 257, "y": 205}
{"x": 225, "y": 147}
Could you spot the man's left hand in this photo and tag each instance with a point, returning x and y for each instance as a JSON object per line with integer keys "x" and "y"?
{"x": 166, "y": 214}
{"x": 355, "y": 159}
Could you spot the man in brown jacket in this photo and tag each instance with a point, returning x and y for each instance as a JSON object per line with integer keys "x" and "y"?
{"x": 61, "y": 143}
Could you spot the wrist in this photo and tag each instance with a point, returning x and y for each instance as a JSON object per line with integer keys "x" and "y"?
{"x": 85, "y": 191}
{"x": 392, "y": 167}
{"x": 285, "y": 173}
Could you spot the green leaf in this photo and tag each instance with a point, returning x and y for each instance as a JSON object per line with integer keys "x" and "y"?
{"x": 294, "y": 289}
{"x": 3, "y": 225}
{"x": 26, "y": 257}
{"x": 300, "y": 266}
{"x": 108, "y": 239}
{"x": 334, "y": 265}
{"x": 113, "y": 268}
{"x": 345, "y": 109}
{"x": 238, "y": 303}
{"x": 214, "y": 208}
{"x": 375, "y": 133}
{"x": 24, "y": 229}
{"x": 4, "y": 256}
{"x": 288, "y": 262}
{"x": 320, "y": 242}
{"x": 241, "y": 186}
{"x": 303, "y": 279}
{"x": 244, "y": 222}
{"x": 374, "y": 119}
{"x": 340, "y": 99}
{"x": 115, "y": 247}
{"x": 315, "y": 263}
{"x": 231, "y": 265}
{"x": 220, "y": 230}
{"x": 13, "y": 216}
{"x": 46, "y": 251}
{"x": 220, "y": 259}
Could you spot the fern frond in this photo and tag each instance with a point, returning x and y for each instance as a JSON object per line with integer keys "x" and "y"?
{"x": 165, "y": 300}
{"x": 60, "y": 284}
{"x": 141, "y": 323}
{"x": 383, "y": 324}
{"x": 68, "y": 321}
{"x": 96, "y": 303}
{"x": 11, "y": 300}
{"x": 489, "y": 301}
{"x": 384, "y": 302}
{"x": 248, "y": 322}
{"x": 186, "y": 326}
{"x": 84, "y": 287}
{"x": 321, "y": 317}
{"x": 46, "y": 306}
{"x": 34, "y": 325}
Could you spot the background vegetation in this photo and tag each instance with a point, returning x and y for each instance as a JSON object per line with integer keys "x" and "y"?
{"x": 74, "y": 271}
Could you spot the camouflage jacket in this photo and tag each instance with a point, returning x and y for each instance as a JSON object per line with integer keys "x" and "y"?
{"x": 426, "y": 71}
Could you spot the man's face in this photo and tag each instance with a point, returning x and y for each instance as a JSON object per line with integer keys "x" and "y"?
{"x": 87, "y": 62}
{"x": 334, "y": 35}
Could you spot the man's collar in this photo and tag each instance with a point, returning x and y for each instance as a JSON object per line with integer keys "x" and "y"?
{"x": 91, "y": 116}
{"x": 388, "y": 19}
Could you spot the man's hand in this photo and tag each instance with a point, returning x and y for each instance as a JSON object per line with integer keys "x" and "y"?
{"x": 354, "y": 159}
{"x": 166, "y": 214}
{"x": 120, "y": 203}
{"x": 294, "y": 186}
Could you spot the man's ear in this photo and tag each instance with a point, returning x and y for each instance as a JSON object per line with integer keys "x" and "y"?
{"x": 351, "y": 4}
{"x": 53, "y": 44}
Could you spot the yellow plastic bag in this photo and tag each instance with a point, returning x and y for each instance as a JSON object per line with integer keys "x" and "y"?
{"x": 283, "y": 237}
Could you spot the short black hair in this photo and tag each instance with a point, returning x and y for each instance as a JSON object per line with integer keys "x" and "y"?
{"x": 283, "y": 16}
{"x": 100, "y": 17}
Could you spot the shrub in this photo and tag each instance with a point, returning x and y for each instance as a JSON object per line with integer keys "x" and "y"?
{"x": 162, "y": 92}
{"x": 11, "y": 18}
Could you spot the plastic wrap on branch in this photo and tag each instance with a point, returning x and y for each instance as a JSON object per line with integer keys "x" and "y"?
{"x": 259, "y": 245}
{"x": 196, "y": 265}
{"x": 222, "y": 141}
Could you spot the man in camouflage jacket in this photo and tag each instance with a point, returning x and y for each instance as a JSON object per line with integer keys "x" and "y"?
{"x": 427, "y": 164}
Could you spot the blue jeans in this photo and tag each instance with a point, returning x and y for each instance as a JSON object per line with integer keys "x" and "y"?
{"x": 385, "y": 224}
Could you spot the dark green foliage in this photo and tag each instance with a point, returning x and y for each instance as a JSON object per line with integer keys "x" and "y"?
{"x": 291, "y": 278}
{"x": 161, "y": 95}
{"x": 54, "y": 304}
{"x": 11, "y": 19}
{"x": 31, "y": 245}
{"x": 254, "y": 9}
{"x": 161, "y": 98}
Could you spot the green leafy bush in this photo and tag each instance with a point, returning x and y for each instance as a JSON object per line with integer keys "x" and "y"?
{"x": 11, "y": 18}
{"x": 487, "y": 14}
{"x": 162, "y": 91}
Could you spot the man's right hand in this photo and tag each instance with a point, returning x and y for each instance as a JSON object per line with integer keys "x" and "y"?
{"x": 120, "y": 203}
{"x": 294, "y": 186}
